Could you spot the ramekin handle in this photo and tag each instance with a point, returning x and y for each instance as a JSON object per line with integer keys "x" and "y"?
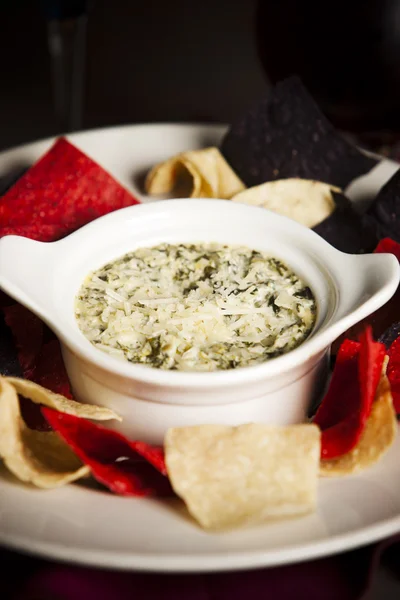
{"x": 24, "y": 266}
{"x": 366, "y": 283}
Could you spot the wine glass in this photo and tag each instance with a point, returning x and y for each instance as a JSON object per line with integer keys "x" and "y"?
{"x": 66, "y": 34}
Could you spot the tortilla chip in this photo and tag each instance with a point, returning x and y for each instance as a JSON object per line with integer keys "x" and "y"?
{"x": 27, "y": 330}
{"x": 231, "y": 476}
{"x": 286, "y": 135}
{"x": 385, "y": 209}
{"x": 346, "y": 230}
{"x": 43, "y": 396}
{"x": 377, "y": 437}
{"x": 393, "y": 373}
{"x": 390, "y": 334}
{"x": 303, "y": 200}
{"x": 62, "y": 191}
{"x": 209, "y": 175}
{"x": 388, "y": 246}
{"x": 344, "y": 411}
{"x": 42, "y": 459}
{"x": 50, "y": 370}
{"x": 126, "y": 467}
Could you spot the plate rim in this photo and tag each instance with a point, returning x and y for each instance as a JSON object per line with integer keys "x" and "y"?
{"x": 94, "y": 130}
{"x": 210, "y": 562}
{"x": 224, "y": 560}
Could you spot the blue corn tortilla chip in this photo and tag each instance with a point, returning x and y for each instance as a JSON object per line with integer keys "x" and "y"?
{"x": 390, "y": 335}
{"x": 385, "y": 209}
{"x": 286, "y": 135}
{"x": 346, "y": 230}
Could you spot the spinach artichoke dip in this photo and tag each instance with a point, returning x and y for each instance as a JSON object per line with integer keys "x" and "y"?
{"x": 195, "y": 307}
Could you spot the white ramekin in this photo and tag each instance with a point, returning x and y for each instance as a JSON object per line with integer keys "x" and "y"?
{"x": 45, "y": 277}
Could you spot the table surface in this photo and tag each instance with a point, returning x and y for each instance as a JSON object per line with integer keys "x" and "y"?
{"x": 340, "y": 575}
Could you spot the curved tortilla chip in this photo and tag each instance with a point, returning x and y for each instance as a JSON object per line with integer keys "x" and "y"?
{"x": 231, "y": 476}
{"x": 126, "y": 467}
{"x": 40, "y": 458}
{"x": 303, "y": 200}
{"x": 379, "y": 434}
{"x": 40, "y": 395}
{"x": 209, "y": 175}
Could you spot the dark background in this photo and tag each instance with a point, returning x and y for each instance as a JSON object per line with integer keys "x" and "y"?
{"x": 171, "y": 60}
{"x": 178, "y": 60}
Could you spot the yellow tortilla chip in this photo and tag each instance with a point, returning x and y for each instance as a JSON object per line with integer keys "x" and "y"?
{"x": 41, "y": 395}
{"x": 378, "y": 435}
{"x": 232, "y": 476}
{"x": 305, "y": 201}
{"x": 37, "y": 457}
{"x": 209, "y": 175}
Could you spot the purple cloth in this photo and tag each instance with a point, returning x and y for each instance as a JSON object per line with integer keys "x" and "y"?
{"x": 343, "y": 577}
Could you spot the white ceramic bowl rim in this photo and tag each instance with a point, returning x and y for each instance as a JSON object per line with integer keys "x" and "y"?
{"x": 386, "y": 266}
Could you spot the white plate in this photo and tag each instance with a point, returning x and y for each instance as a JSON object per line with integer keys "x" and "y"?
{"x": 89, "y": 526}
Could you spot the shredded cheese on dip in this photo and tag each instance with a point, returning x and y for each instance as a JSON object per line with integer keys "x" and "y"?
{"x": 197, "y": 307}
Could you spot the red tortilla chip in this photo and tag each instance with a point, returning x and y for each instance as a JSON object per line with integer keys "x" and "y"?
{"x": 371, "y": 357}
{"x": 334, "y": 408}
{"x": 387, "y": 245}
{"x": 39, "y": 352}
{"x": 27, "y": 331}
{"x": 393, "y": 373}
{"x": 125, "y": 467}
{"x": 345, "y": 408}
{"x": 62, "y": 191}
{"x": 41, "y": 363}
